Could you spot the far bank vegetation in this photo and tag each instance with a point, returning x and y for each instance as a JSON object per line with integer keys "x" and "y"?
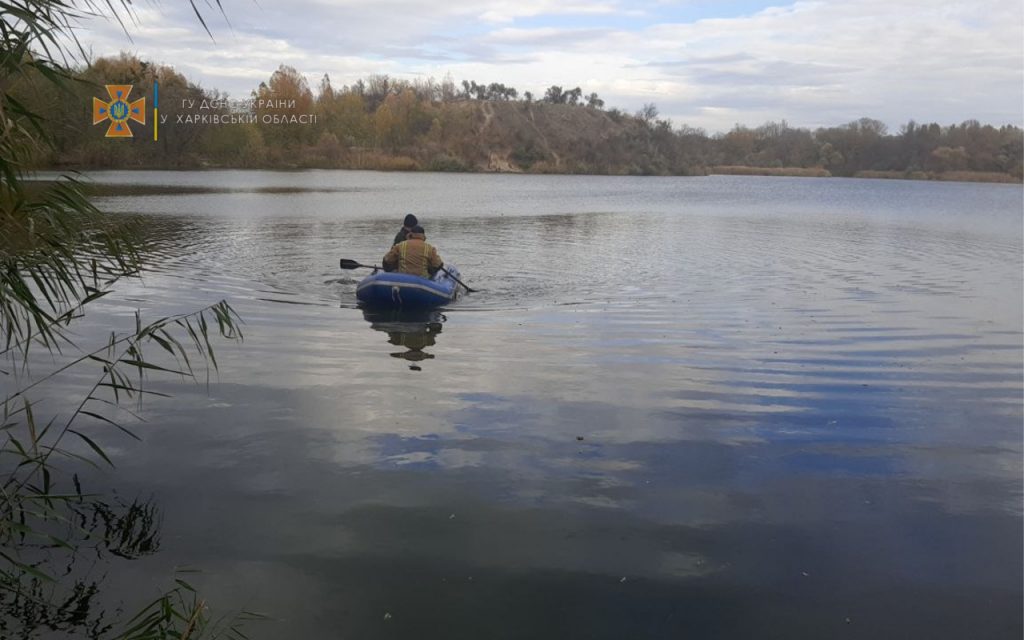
{"x": 387, "y": 123}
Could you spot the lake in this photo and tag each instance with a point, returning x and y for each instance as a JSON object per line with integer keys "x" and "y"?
{"x": 719, "y": 407}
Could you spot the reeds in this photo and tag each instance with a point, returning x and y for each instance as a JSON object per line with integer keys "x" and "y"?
{"x": 945, "y": 176}
{"x": 59, "y": 254}
{"x": 800, "y": 172}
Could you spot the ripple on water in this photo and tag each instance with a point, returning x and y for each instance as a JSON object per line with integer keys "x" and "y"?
{"x": 715, "y": 386}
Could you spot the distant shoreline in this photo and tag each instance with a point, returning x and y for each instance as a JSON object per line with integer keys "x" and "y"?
{"x": 948, "y": 176}
{"x": 390, "y": 124}
{"x": 730, "y": 170}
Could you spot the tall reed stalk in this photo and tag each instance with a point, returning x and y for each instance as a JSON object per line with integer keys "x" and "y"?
{"x": 58, "y": 255}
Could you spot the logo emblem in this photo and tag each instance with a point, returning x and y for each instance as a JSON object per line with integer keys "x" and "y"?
{"x": 119, "y": 111}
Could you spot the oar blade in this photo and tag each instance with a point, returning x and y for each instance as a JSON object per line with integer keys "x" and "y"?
{"x": 349, "y": 264}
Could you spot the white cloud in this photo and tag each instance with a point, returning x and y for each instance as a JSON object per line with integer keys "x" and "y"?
{"x": 509, "y": 11}
{"x": 811, "y": 63}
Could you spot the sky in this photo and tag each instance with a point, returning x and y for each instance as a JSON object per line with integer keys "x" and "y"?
{"x": 703, "y": 63}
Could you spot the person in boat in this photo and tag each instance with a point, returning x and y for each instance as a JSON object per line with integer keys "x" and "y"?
{"x": 408, "y": 224}
{"x": 414, "y": 256}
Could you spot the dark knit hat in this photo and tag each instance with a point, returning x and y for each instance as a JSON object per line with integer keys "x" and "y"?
{"x": 418, "y": 229}
{"x": 410, "y": 221}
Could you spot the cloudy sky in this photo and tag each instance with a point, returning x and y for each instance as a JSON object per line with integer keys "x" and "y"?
{"x": 705, "y": 63}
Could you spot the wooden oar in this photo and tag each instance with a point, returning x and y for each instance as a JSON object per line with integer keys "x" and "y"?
{"x": 352, "y": 264}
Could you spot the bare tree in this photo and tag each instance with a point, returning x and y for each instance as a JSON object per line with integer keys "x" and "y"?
{"x": 648, "y": 113}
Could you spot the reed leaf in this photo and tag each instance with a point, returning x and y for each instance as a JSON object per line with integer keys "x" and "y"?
{"x": 59, "y": 253}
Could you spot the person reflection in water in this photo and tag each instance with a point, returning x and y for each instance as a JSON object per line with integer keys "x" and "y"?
{"x": 415, "y": 342}
{"x": 414, "y": 256}
{"x": 413, "y": 331}
{"x": 408, "y": 225}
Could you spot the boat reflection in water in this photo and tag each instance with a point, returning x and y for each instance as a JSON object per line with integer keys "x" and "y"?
{"x": 412, "y": 330}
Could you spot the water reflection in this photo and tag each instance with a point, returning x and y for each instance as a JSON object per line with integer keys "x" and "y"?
{"x": 729, "y": 405}
{"x": 414, "y": 331}
{"x": 70, "y": 600}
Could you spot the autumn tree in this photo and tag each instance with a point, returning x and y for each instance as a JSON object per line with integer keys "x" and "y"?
{"x": 287, "y": 94}
{"x": 352, "y": 124}
{"x": 949, "y": 159}
{"x": 399, "y": 119}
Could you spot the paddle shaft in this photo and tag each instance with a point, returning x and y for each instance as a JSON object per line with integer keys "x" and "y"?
{"x": 457, "y": 280}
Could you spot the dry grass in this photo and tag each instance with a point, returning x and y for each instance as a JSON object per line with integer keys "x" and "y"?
{"x": 800, "y": 172}
{"x": 947, "y": 176}
{"x": 893, "y": 175}
{"x": 976, "y": 176}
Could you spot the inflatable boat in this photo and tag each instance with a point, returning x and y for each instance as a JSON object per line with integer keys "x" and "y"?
{"x": 384, "y": 289}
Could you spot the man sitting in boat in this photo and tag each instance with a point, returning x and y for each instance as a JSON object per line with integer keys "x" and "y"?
{"x": 408, "y": 225}
{"x": 414, "y": 256}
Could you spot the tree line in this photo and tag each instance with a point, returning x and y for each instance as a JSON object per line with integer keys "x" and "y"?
{"x": 382, "y": 122}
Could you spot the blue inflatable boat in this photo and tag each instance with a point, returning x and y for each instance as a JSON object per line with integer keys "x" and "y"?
{"x": 383, "y": 289}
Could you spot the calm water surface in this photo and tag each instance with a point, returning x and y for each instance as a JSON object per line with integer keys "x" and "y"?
{"x": 723, "y": 407}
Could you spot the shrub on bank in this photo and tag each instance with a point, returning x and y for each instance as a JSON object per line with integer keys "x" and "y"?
{"x": 445, "y": 162}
